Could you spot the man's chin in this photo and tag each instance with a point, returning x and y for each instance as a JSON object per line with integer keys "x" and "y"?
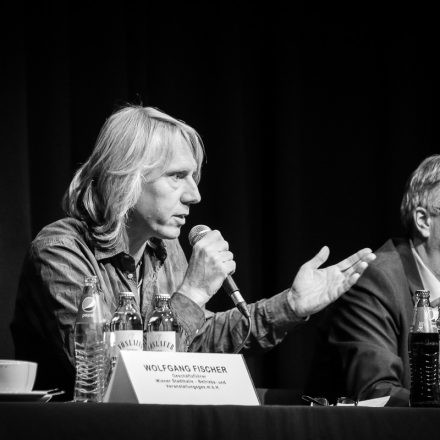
{"x": 168, "y": 233}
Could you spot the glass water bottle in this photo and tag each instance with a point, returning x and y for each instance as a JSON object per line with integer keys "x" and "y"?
{"x": 162, "y": 332}
{"x": 423, "y": 347}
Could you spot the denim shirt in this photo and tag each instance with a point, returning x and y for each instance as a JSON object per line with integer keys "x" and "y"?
{"x": 51, "y": 285}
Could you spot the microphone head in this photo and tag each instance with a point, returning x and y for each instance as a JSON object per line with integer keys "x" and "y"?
{"x": 196, "y": 233}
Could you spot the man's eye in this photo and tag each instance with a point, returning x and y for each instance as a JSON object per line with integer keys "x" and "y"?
{"x": 178, "y": 176}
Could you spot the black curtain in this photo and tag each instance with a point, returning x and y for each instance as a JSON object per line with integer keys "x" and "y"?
{"x": 313, "y": 116}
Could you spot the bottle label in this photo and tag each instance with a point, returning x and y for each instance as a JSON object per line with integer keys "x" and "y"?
{"x": 90, "y": 308}
{"x": 127, "y": 340}
{"x": 423, "y": 321}
{"x": 124, "y": 340}
{"x": 160, "y": 341}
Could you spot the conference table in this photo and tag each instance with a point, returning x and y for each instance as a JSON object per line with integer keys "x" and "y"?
{"x": 65, "y": 421}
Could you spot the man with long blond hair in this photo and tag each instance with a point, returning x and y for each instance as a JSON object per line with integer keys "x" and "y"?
{"x": 125, "y": 208}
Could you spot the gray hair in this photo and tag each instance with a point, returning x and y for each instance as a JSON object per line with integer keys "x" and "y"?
{"x": 134, "y": 144}
{"x": 418, "y": 190}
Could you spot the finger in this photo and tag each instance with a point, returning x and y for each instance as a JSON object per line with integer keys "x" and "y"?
{"x": 319, "y": 258}
{"x": 226, "y": 256}
{"x": 362, "y": 255}
{"x": 211, "y": 237}
{"x": 213, "y": 240}
{"x": 218, "y": 242}
{"x": 359, "y": 268}
{"x": 230, "y": 267}
{"x": 351, "y": 281}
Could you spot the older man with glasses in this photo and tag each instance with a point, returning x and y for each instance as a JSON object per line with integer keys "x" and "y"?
{"x": 370, "y": 324}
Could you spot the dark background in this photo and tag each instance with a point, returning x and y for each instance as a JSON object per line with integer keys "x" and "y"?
{"x": 313, "y": 116}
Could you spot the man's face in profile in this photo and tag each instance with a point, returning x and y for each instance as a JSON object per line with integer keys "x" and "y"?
{"x": 164, "y": 202}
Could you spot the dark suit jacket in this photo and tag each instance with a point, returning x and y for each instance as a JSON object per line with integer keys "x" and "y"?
{"x": 370, "y": 325}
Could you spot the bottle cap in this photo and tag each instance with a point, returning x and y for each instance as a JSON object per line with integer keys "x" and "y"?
{"x": 163, "y": 296}
{"x": 91, "y": 279}
{"x": 422, "y": 294}
{"x": 126, "y": 295}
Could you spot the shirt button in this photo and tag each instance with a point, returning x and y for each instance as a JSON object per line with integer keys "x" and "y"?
{"x": 130, "y": 276}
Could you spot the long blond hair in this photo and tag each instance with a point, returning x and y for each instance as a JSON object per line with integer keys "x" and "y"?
{"x": 133, "y": 144}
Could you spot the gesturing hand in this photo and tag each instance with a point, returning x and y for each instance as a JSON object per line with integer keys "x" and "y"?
{"x": 314, "y": 288}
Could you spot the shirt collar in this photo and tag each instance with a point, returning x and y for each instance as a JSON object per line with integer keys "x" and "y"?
{"x": 154, "y": 246}
{"x": 429, "y": 280}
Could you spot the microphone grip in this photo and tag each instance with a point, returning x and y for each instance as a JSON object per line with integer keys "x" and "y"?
{"x": 230, "y": 286}
{"x": 233, "y": 291}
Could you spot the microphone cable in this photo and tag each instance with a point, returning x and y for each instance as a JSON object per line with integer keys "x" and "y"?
{"x": 239, "y": 348}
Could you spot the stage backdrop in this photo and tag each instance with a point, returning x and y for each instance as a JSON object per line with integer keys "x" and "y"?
{"x": 312, "y": 117}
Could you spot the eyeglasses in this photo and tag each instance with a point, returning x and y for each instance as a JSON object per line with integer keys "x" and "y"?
{"x": 322, "y": 401}
{"x": 318, "y": 401}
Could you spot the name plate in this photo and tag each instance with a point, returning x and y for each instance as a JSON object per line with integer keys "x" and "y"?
{"x": 181, "y": 378}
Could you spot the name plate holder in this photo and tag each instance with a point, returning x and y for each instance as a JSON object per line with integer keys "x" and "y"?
{"x": 181, "y": 378}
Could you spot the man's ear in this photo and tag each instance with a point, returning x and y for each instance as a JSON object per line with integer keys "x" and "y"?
{"x": 422, "y": 221}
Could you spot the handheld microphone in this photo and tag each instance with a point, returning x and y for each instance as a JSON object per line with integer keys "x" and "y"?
{"x": 196, "y": 233}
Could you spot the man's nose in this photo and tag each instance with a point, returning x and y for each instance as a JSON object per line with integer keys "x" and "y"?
{"x": 191, "y": 195}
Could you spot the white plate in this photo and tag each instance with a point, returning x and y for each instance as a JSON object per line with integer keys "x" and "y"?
{"x": 31, "y": 396}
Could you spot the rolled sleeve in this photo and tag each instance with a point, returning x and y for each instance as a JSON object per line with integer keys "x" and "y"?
{"x": 188, "y": 314}
{"x": 224, "y": 331}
